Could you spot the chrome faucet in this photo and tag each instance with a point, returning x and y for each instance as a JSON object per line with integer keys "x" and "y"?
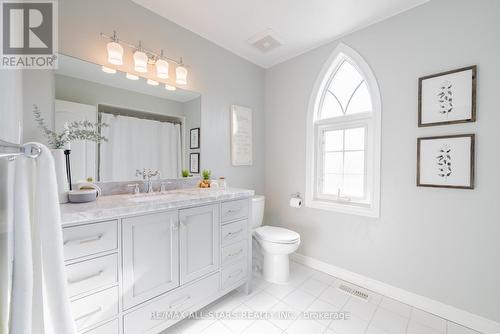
{"x": 146, "y": 176}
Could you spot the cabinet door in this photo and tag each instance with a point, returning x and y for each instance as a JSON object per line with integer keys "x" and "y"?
{"x": 150, "y": 256}
{"x": 199, "y": 241}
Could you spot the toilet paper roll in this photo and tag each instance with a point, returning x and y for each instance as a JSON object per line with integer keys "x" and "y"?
{"x": 295, "y": 202}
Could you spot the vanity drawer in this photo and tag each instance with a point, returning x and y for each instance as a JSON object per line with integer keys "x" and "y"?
{"x": 109, "y": 328}
{"x": 233, "y": 274}
{"x": 89, "y": 239}
{"x": 234, "y": 210}
{"x": 233, "y": 232}
{"x": 92, "y": 274}
{"x": 92, "y": 309}
{"x": 184, "y": 299}
{"x": 234, "y": 252}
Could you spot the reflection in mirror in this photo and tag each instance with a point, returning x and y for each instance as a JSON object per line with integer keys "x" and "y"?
{"x": 148, "y": 127}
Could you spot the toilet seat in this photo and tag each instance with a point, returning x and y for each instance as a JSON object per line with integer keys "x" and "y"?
{"x": 277, "y": 235}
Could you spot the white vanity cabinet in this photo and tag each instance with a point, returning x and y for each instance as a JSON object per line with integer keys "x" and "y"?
{"x": 199, "y": 241}
{"x": 127, "y": 274}
{"x": 150, "y": 253}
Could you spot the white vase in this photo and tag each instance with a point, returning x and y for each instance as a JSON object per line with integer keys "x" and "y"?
{"x": 61, "y": 176}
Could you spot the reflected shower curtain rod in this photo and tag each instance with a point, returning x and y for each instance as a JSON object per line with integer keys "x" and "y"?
{"x": 119, "y": 111}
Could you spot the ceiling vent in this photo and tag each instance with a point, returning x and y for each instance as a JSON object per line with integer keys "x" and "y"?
{"x": 265, "y": 41}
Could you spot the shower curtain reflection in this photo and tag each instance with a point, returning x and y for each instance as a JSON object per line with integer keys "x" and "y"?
{"x": 135, "y": 143}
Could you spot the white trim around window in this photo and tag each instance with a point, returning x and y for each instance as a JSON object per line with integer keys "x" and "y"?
{"x": 369, "y": 203}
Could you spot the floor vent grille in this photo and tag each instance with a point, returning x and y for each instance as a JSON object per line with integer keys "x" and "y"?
{"x": 354, "y": 291}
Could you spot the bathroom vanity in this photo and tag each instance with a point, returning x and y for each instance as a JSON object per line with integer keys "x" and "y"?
{"x": 138, "y": 263}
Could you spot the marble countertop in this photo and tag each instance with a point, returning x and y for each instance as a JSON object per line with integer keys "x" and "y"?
{"x": 109, "y": 207}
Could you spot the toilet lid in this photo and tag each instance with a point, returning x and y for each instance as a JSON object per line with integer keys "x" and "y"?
{"x": 277, "y": 234}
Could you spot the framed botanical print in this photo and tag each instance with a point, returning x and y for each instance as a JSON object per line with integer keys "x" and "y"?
{"x": 194, "y": 163}
{"x": 448, "y": 97}
{"x": 194, "y": 138}
{"x": 446, "y": 161}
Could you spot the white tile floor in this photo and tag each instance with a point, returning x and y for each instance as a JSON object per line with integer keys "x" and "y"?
{"x": 313, "y": 291}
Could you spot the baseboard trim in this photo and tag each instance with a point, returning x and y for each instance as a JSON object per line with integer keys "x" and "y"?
{"x": 445, "y": 311}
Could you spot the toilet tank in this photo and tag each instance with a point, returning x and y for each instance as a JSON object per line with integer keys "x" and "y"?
{"x": 257, "y": 210}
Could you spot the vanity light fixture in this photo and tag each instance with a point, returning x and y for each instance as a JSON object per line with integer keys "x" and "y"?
{"x": 115, "y": 51}
{"x": 131, "y": 76}
{"x": 181, "y": 74}
{"x": 140, "y": 60}
{"x": 161, "y": 67}
{"x": 143, "y": 57}
{"x": 170, "y": 87}
{"x": 108, "y": 70}
{"x": 152, "y": 82}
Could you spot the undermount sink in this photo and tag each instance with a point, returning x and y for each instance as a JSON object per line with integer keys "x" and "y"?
{"x": 156, "y": 197}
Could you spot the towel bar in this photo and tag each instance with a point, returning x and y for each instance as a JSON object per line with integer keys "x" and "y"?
{"x": 10, "y": 150}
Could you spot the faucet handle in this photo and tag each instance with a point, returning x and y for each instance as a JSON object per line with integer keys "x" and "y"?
{"x": 136, "y": 187}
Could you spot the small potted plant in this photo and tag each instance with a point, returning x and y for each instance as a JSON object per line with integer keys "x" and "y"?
{"x": 59, "y": 142}
{"x": 205, "y": 183}
{"x": 185, "y": 173}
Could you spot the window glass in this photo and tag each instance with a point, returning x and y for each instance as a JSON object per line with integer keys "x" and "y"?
{"x": 361, "y": 101}
{"x": 344, "y": 162}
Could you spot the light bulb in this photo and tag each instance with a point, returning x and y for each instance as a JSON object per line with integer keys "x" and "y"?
{"x": 115, "y": 53}
{"x": 181, "y": 75}
{"x": 162, "y": 69}
{"x": 170, "y": 87}
{"x": 131, "y": 76}
{"x": 152, "y": 82}
{"x": 108, "y": 70}
{"x": 140, "y": 62}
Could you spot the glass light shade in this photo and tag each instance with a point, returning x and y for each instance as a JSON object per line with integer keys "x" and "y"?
{"x": 181, "y": 75}
{"x": 108, "y": 70}
{"x": 131, "y": 76}
{"x": 170, "y": 87}
{"x": 152, "y": 82}
{"x": 115, "y": 53}
{"x": 140, "y": 62}
{"x": 162, "y": 69}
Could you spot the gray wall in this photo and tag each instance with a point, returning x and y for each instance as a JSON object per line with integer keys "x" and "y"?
{"x": 221, "y": 77}
{"x": 87, "y": 92}
{"x": 191, "y": 111}
{"x": 439, "y": 243}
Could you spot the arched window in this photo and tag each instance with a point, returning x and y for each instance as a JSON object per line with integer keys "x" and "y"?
{"x": 343, "y": 137}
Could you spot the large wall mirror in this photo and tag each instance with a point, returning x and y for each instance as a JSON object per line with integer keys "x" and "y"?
{"x": 147, "y": 126}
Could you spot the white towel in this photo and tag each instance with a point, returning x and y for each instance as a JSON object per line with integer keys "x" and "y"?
{"x": 39, "y": 303}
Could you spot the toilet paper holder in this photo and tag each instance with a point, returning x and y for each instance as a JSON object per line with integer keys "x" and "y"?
{"x": 295, "y": 200}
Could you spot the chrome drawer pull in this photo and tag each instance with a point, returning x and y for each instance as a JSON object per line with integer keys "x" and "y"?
{"x": 235, "y": 273}
{"x": 235, "y": 254}
{"x": 233, "y": 210}
{"x": 233, "y": 234}
{"x": 84, "y": 278}
{"x": 84, "y": 240}
{"x": 91, "y": 313}
{"x": 179, "y": 302}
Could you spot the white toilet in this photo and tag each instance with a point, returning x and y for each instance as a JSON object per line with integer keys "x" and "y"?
{"x": 276, "y": 244}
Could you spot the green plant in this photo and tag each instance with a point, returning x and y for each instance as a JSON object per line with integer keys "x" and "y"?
{"x": 206, "y": 174}
{"x": 81, "y": 130}
{"x": 185, "y": 173}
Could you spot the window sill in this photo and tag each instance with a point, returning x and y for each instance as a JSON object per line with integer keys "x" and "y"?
{"x": 347, "y": 208}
